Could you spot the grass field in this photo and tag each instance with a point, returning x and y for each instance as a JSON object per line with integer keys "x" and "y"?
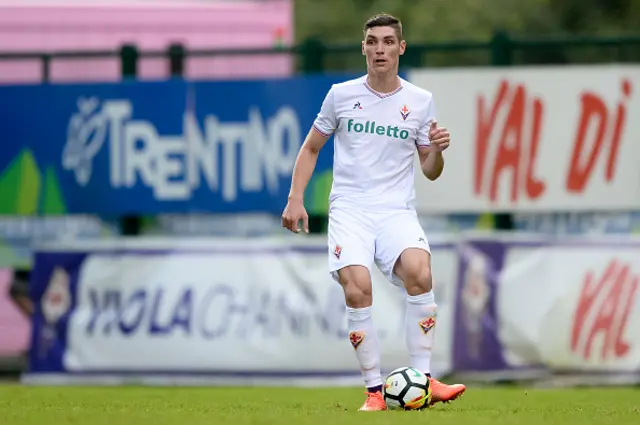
{"x": 21, "y": 405}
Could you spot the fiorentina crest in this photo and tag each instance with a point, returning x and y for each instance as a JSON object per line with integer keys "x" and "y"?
{"x": 427, "y": 324}
{"x": 356, "y": 338}
{"x": 404, "y": 111}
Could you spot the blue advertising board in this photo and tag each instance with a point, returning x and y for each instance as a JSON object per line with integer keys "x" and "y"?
{"x": 158, "y": 147}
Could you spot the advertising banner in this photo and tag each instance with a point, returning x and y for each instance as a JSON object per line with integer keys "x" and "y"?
{"x": 223, "y": 312}
{"x": 535, "y": 139}
{"x": 542, "y": 307}
{"x": 266, "y": 312}
{"x": 159, "y": 147}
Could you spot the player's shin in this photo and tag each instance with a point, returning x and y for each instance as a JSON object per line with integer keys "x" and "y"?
{"x": 420, "y": 323}
{"x": 364, "y": 339}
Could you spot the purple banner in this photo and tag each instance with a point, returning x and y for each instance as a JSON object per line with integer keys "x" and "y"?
{"x": 53, "y": 290}
{"x": 476, "y": 345}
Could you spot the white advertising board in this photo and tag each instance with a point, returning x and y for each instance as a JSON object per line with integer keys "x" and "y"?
{"x": 249, "y": 311}
{"x": 535, "y": 139}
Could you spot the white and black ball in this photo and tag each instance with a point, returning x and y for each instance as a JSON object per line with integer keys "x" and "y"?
{"x": 407, "y": 388}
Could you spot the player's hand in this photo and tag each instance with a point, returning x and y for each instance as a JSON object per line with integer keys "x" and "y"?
{"x": 293, "y": 214}
{"x": 439, "y": 137}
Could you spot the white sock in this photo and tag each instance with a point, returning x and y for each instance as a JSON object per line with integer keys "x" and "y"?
{"x": 420, "y": 322}
{"x": 364, "y": 339}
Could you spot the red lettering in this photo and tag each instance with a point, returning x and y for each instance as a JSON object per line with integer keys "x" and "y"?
{"x": 535, "y": 187}
{"x": 605, "y": 319}
{"x": 593, "y": 108}
{"x": 594, "y": 111}
{"x": 483, "y": 133}
{"x": 621, "y": 117}
{"x": 516, "y": 149}
{"x": 620, "y": 347}
{"x": 615, "y": 291}
{"x": 508, "y": 156}
{"x": 585, "y": 303}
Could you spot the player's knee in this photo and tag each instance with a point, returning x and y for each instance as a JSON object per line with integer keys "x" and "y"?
{"x": 357, "y": 287}
{"x": 418, "y": 281}
{"x": 357, "y": 296}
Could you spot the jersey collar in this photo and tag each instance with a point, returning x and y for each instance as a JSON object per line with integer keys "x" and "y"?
{"x": 381, "y": 95}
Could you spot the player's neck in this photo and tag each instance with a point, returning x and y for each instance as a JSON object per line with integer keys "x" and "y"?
{"x": 383, "y": 83}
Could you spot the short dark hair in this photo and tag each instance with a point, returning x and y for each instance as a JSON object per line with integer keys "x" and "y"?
{"x": 384, "y": 20}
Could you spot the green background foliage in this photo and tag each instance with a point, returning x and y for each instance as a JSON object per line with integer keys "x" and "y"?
{"x": 440, "y": 20}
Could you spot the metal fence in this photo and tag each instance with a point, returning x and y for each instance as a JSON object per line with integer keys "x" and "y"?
{"x": 314, "y": 56}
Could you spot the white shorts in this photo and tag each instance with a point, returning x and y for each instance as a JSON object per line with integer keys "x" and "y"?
{"x": 360, "y": 238}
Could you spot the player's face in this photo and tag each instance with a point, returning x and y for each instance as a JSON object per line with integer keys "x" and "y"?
{"x": 382, "y": 49}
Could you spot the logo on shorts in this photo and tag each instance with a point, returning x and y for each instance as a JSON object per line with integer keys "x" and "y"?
{"x": 337, "y": 251}
{"x": 405, "y": 112}
{"x": 356, "y": 338}
{"x": 421, "y": 239}
{"x": 427, "y": 324}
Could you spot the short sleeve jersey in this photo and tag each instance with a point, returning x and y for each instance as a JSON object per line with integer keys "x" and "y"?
{"x": 375, "y": 141}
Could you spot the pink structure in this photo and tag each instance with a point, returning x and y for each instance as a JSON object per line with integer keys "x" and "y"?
{"x": 15, "y": 329}
{"x": 29, "y": 26}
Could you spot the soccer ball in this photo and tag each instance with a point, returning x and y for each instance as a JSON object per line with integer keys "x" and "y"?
{"x": 407, "y": 388}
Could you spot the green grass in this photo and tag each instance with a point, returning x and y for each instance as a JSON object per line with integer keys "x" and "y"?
{"x": 21, "y": 405}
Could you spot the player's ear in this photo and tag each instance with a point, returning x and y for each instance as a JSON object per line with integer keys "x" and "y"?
{"x": 403, "y": 46}
{"x": 363, "y": 47}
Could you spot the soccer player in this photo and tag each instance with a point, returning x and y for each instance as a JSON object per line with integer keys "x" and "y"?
{"x": 379, "y": 121}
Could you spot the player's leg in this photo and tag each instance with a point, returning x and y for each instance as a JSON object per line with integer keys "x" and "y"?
{"x": 356, "y": 283}
{"x": 351, "y": 246}
{"x": 404, "y": 256}
{"x": 413, "y": 267}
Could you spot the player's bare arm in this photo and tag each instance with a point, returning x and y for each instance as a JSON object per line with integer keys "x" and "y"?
{"x": 305, "y": 164}
{"x": 431, "y": 158}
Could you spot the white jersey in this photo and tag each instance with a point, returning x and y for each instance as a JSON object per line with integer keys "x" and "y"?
{"x": 375, "y": 140}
